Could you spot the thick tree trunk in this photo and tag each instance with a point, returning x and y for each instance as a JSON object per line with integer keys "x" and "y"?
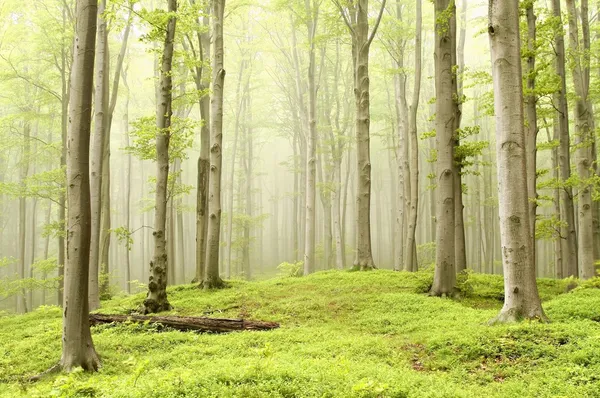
{"x": 78, "y": 348}
{"x": 363, "y": 259}
{"x": 567, "y": 209}
{"x": 100, "y": 130}
{"x": 583, "y": 118}
{"x": 187, "y": 323}
{"x": 157, "y": 301}
{"x": 411, "y": 263}
{"x": 445, "y": 274}
{"x": 211, "y": 276}
{"x": 521, "y": 294}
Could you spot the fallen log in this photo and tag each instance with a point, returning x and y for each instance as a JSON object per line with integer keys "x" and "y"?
{"x": 185, "y": 323}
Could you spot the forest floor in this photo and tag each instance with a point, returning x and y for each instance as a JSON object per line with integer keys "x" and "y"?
{"x": 343, "y": 334}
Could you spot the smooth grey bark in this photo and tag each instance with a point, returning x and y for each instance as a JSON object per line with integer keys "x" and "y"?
{"x": 358, "y": 23}
{"x": 128, "y": 181}
{"x": 583, "y": 122}
{"x": 521, "y": 298}
{"x": 241, "y": 99}
{"x": 22, "y": 306}
{"x": 445, "y": 89}
{"x": 156, "y": 300}
{"x": 531, "y": 130}
{"x": 567, "y": 209}
{"x": 310, "y": 190}
{"x": 411, "y": 263}
{"x": 78, "y": 348}
{"x": 100, "y": 130}
{"x": 249, "y": 204}
{"x": 202, "y": 81}
{"x": 211, "y": 277}
{"x": 460, "y": 250}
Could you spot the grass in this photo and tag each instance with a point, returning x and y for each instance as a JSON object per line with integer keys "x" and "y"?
{"x": 360, "y": 334}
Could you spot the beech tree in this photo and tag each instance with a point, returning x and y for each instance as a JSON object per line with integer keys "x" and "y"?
{"x": 157, "y": 301}
{"x": 211, "y": 276}
{"x": 521, "y": 298}
{"x": 78, "y": 348}
{"x": 446, "y": 95}
{"x": 355, "y": 16}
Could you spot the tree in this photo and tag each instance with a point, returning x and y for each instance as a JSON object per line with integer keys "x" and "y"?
{"x": 583, "y": 126}
{"x": 157, "y": 301}
{"x": 411, "y": 263}
{"x": 211, "y": 276}
{"x": 78, "y": 347}
{"x": 100, "y": 130}
{"x": 312, "y": 13}
{"x": 521, "y": 298}
{"x": 355, "y": 16}
{"x": 567, "y": 209}
{"x": 445, "y": 93}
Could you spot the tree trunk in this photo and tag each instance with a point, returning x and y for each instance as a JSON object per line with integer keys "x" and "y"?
{"x": 187, "y": 323}
{"x": 583, "y": 117}
{"x": 460, "y": 251}
{"x": 202, "y": 80}
{"x": 532, "y": 127}
{"x": 24, "y": 171}
{"x": 100, "y": 129}
{"x": 361, "y": 45}
{"x": 78, "y": 349}
{"x": 157, "y": 301}
{"x": 311, "y": 143}
{"x": 241, "y": 98}
{"x": 128, "y": 183}
{"x": 211, "y": 277}
{"x": 567, "y": 209}
{"x": 249, "y": 204}
{"x": 521, "y": 299}
{"x": 411, "y": 263}
{"x": 445, "y": 274}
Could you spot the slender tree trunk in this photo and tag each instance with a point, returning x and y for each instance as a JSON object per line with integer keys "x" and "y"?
{"x": 78, "y": 349}
{"x": 411, "y": 263}
{"x": 241, "y": 98}
{"x": 249, "y": 203}
{"x": 128, "y": 182}
{"x": 445, "y": 274}
{"x": 460, "y": 251}
{"x": 202, "y": 79}
{"x": 157, "y": 301}
{"x": 211, "y": 277}
{"x": 532, "y": 127}
{"x": 24, "y": 171}
{"x": 311, "y": 144}
{"x": 100, "y": 129}
{"x": 521, "y": 299}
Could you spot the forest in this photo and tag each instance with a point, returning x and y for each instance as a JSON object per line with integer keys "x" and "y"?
{"x": 285, "y": 198}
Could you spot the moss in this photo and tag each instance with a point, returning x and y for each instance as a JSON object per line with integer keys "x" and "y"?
{"x": 365, "y": 334}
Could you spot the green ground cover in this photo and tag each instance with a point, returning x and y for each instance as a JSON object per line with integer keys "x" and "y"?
{"x": 343, "y": 334}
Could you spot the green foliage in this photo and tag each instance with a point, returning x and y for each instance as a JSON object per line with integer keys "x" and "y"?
{"x": 144, "y": 134}
{"x": 342, "y": 335}
{"x": 124, "y": 236}
{"x": 291, "y": 269}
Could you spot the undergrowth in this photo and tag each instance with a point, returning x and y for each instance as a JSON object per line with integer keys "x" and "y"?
{"x": 361, "y": 334}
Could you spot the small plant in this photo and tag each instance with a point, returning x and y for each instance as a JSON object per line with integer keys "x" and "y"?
{"x": 291, "y": 269}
